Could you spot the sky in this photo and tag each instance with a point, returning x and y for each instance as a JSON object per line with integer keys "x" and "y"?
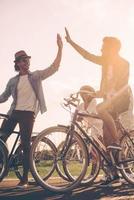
{"x": 32, "y": 25}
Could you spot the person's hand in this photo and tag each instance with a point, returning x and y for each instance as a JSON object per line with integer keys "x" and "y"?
{"x": 68, "y": 38}
{"x": 59, "y": 41}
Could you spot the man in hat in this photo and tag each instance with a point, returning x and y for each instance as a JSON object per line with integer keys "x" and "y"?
{"x": 28, "y": 99}
{"x": 114, "y": 88}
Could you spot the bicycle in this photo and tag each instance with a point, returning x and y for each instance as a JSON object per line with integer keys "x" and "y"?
{"x": 126, "y": 156}
{"x": 56, "y": 182}
{"x": 123, "y": 163}
{"x": 13, "y": 160}
{"x": 63, "y": 156}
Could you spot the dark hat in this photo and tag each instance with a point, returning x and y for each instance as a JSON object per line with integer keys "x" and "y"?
{"x": 20, "y": 54}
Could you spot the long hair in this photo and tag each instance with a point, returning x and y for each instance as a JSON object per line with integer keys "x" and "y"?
{"x": 16, "y": 67}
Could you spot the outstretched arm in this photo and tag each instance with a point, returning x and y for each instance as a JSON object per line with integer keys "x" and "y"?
{"x": 55, "y": 65}
{"x": 81, "y": 51}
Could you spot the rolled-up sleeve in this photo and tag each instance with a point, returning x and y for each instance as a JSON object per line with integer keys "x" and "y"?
{"x": 43, "y": 74}
{"x": 6, "y": 94}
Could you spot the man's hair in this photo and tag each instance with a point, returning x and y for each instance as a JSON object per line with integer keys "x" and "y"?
{"x": 113, "y": 42}
{"x": 18, "y": 56}
{"x": 16, "y": 67}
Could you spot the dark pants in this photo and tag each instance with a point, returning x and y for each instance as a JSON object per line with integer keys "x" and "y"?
{"x": 25, "y": 119}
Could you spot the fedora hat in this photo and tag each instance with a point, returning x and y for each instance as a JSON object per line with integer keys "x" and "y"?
{"x": 20, "y": 54}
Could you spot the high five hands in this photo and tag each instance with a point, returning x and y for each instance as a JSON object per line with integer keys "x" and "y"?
{"x": 68, "y": 38}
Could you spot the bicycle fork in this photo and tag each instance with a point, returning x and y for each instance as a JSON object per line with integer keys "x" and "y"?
{"x": 67, "y": 143}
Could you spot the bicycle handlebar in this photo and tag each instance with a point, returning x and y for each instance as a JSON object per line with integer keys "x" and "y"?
{"x": 4, "y": 115}
{"x": 69, "y": 101}
{"x": 74, "y": 97}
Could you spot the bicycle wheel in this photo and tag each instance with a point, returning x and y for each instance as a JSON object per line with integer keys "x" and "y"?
{"x": 17, "y": 165}
{"x": 43, "y": 158}
{"x": 56, "y": 182}
{"x": 17, "y": 162}
{"x": 93, "y": 163}
{"x": 59, "y": 166}
{"x": 126, "y": 157}
{"x": 3, "y": 160}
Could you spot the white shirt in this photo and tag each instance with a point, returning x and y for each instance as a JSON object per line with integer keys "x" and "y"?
{"x": 26, "y": 98}
{"x": 95, "y": 124}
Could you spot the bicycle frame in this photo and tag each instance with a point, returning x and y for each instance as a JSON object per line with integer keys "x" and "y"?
{"x": 100, "y": 149}
{"x": 11, "y": 155}
{"x": 69, "y": 136}
{"x": 107, "y": 155}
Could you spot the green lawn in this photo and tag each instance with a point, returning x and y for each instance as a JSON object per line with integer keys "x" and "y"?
{"x": 44, "y": 167}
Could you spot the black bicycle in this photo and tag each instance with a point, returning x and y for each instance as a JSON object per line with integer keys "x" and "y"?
{"x": 55, "y": 163}
{"x": 13, "y": 160}
{"x": 124, "y": 160}
{"x": 71, "y": 152}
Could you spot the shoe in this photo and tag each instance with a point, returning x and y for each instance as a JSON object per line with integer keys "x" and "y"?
{"x": 104, "y": 178}
{"x": 111, "y": 182}
{"x": 22, "y": 185}
{"x": 32, "y": 182}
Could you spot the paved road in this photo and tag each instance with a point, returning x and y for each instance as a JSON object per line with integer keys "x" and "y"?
{"x": 33, "y": 192}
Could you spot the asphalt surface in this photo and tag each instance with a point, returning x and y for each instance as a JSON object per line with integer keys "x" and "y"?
{"x": 94, "y": 192}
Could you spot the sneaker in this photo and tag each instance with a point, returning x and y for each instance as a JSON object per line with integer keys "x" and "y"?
{"x": 32, "y": 182}
{"x": 111, "y": 182}
{"x": 22, "y": 185}
{"x": 104, "y": 178}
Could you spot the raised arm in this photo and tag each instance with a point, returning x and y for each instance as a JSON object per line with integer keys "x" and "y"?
{"x": 55, "y": 65}
{"x": 57, "y": 60}
{"x": 91, "y": 57}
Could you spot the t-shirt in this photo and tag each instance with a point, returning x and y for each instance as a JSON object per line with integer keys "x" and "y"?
{"x": 26, "y": 98}
{"x": 94, "y": 126}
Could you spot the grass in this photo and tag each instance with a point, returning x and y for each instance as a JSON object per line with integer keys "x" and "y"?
{"x": 44, "y": 167}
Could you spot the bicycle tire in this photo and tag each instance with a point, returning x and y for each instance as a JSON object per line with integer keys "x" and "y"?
{"x": 93, "y": 168}
{"x": 17, "y": 162}
{"x": 3, "y": 160}
{"x": 127, "y": 153}
{"x": 60, "y": 171}
{"x": 40, "y": 157}
{"x": 56, "y": 183}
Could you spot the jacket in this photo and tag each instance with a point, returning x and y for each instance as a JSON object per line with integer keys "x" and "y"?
{"x": 35, "y": 79}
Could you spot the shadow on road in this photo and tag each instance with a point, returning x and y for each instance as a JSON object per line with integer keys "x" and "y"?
{"x": 89, "y": 193}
